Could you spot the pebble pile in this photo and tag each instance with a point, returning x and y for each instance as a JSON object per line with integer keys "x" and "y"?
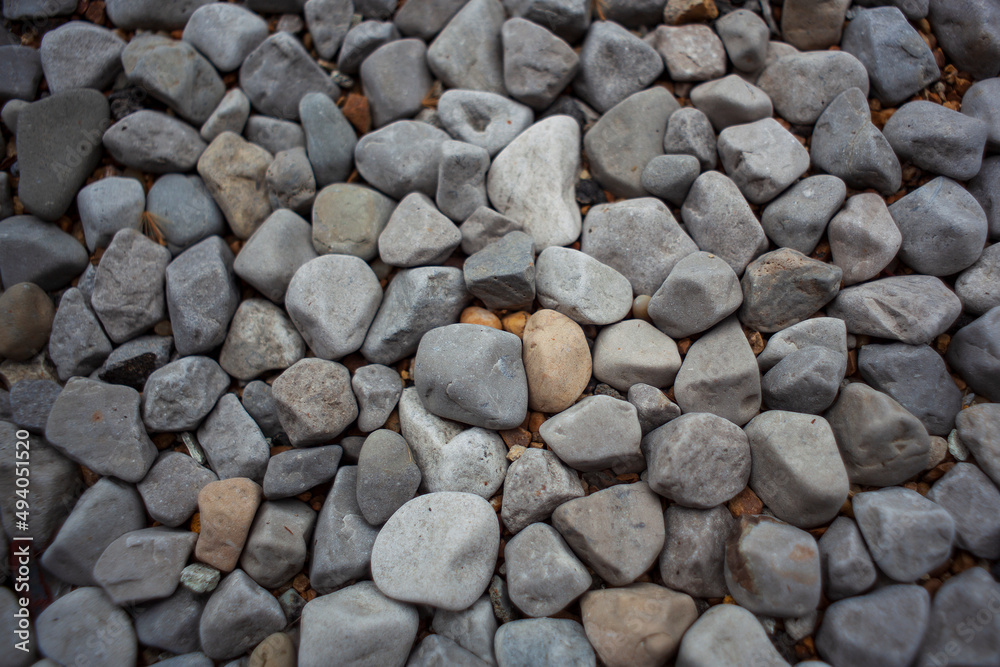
{"x": 502, "y": 332}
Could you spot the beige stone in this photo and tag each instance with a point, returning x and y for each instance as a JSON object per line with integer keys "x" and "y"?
{"x": 637, "y": 625}
{"x": 556, "y": 360}
{"x": 677, "y": 12}
{"x": 234, "y": 172}
{"x": 277, "y": 650}
{"x": 227, "y": 510}
{"x": 813, "y": 25}
{"x": 26, "y": 313}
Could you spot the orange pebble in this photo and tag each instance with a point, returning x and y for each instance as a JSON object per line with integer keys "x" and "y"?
{"x": 476, "y": 315}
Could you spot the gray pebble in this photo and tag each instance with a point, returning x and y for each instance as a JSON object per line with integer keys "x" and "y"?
{"x": 461, "y": 188}
{"x": 597, "y": 433}
{"x": 396, "y": 80}
{"x": 745, "y": 36}
{"x": 907, "y": 534}
{"x": 719, "y": 375}
{"x": 762, "y": 158}
{"x": 298, "y": 470}
{"x": 812, "y": 25}
{"x": 417, "y": 234}
{"x": 144, "y": 564}
{"x": 973, "y": 354}
{"x": 863, "y": 237}
{"x": 292, "y": 604}
{"x": 569, "y": 20}
{"x": 377, "y": 389}
{"x": 279, "y": 73}
{"x": 202, "y": 295}
{"x": 917, "y": 377}
{"x": 358, "y": 624}
{"x": 174, "y": 73}
{"x": 724, "y": 631}
{"x": 276, "y": 547}
{"x": 472, "y": 628}
{"x": 31, "y": 401}
{"x": 806, "y": 380}
{"x": 626, "y": 138}
{"x": 170, "y": 488}
{"x": 87, "y": 532}
{"x": 670, "y": 177}
{"x": 731, "y": 101}
{"x": 468, "y": 53}
{"x": 972, "y": 500}
{"x": 914, "y": 309}
{"x": 533, "y": 181}
{"x": 937, "y": 139}
{"x": 689, "y": 132}
{"x": 291, "y": 182}
{"x": 258, "y": 401}
{"x": 483, "y": 227}
{"x": 543, "y": 575}
{"x": 58, "y": 147}
{"x": 330, "y": 138}
{"x": 279, "y": 247}
{"x": 652, "y": 405}
{"x": 697, "y": 460}
{"x": 614, "y": 64}
{"x": 618, "y": 531}
{"x": 388, "y": 476}
{"x": 880, "y": 441}
{"x": 416, "y": 301}
{"x": 154, "y": 142}
{"x": 537, "y": 65}
{"x": 184, "y": 211}
{"x": 22, "y": 68}
{"x": 426, "y": 18}
{"x": 581, "y": 287}
{"x": 225, "y": 34}
{"x": 314, "y": 401}
{"x": 81, "y": 55}
{"x": 348, "y": 219}
{"x": 543, "y": 641}
{"x": 699, "y": 292}
{"x": 798, "y": 218}
{"x": 846, "y": 144}
{"x": 98, "y": 425}
{"x": 363, "y": 40}
{"x": 691, "y": 52}
{"x": 77, "y": 345}
{"x": 943, "y": 228}
{"x": 720, "y": 221}
{"x": 802, "y": 85}
{"x": 401, "y": 158}
{"x": 328, "y": 22}
{"x": 784, "y": 287}
{"x": 773, "y": 568}
{"x": 152, "y": 14}
{"x": 694, "y": 550}
{"x": 950, "y": 633}
{"x": 86, "y": 625}
{"x": 234, "y": 171}
{"x": 232, "y": 441}
{"x": 635, "y": 351}
{"x": 879, "y": 629}
{"x": 107, "y": 206}
{"x": 914, "y": 10}
{"x": 483, "y": 119}
{"x": 172, "y": 624}
{"x": 33, "y": 251}
{"x": 342, "y": 542}
{"x": 230, "y": 116}
{"x": 261, "y": 338}
{"x": 967, "y": 32}
{"x": 536, "y": 483}
{"x": 978, "y": 287}
{"x": 438, "y": 650}
{"x": 797, "y": 469}
{"x": 503, "y": 273}
{"x": 847, "y": 566}
{"x": 273, "y": 134}
{"x": 638, "y": 238}
{"x": 179, "y": 395}
{"x": 238, "y": 616}
{"x": 981, "y": 101}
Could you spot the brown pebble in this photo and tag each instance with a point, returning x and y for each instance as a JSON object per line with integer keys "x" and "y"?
{"x": 556, "y": 360}
{"x": 477, "y": 315}
{"x": 227, "y": 509}
{"x": 689, "y": 11}
{"x": 514, "y": 323}
{"x": 26, "y": 314}
{"x": 745, "y": 502}
{"x": 683, "y": 345}
{"x": 516, "y": 436}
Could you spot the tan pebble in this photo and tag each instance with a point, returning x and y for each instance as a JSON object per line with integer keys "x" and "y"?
{"x": 277, "y": 650}
{"x": 638, "y": 625}
{"x": 227, "y": 509}
{"x": 515, "y": 452}
{"x": 477, "y": 315}
{"x": 939, "y": 450}
{"x": 556, "y": 360}
{"x": 689, "y": 11}
{"x": 26, "y": 313}
{"x": 514, "y": 323}
{"x": 640, "y": 307}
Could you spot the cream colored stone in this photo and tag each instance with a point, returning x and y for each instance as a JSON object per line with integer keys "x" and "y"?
{"x": 638, "y": 625}
{"x": 556, "y": 360}
{"x": 227, "y": 510}
{"x": 277, "y": 650}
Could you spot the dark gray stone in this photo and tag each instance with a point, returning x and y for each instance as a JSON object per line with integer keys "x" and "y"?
{"x": 145, "y": 564}
{"x": 363, "y": 40}
{"x": 184, "y": 211}
{"x": 426, "y": 18}
{"x": 330, "y": 138}
{"x": 279, "y": 73}
{"x": 273, "y": 134}
{"x": 77, "y": 345}
{"x": 967, "y": 32}
{"x": 863, "y": 237}
{"x": 798, "y": 218}
{"x": 226, "y": 34}
{"x": 952, "y": 635}
{"x": 745, "y": 36}
{"x": 179, "y": 395}
{"x": 109, "y": 205}
{"x": 170, "y": 488}
{"x": 503, "y": 273}
{"x": 784, "y": 287}
{"x": 154, "y": 142}
{"x": 543, "y": 575}
{"x": 468, "y": 53}
{"x": 86, "y": 625}
{"x": 802, "y": 85}
{"x": 33, "y": 251}
{"x": 342, "y": 542}
{"x": 229, "y": 116}
{"x": 59, "y": 145}
{"x": 31, "y": 401}
{"x": 973, "y": 354}
{"x": 81, "y": 55}
{"x": 238, "y": 616}
{"x": 291, "y": 182}
{"x": 171, "y": 624}
{"x": 938, "y": 139}
{"x": 982, "y": 101}
{"x": 461, "y": 188}
{"x": 695, "y": 549}
{"x": 401, "y": 158}
{"x": 689, "y": 132}
{"x": 233, "y": 443}
{"x": 847, "y": 566}
{"x": 731, "y": 101}
{"x": 396, "y": 80}
{"x": 202, "y": 295}
{"x": 898, "y": 61}
{"x": 377, "y": 389}
{"x": 978, "y": 287}
{"x": 972, "y": 500}
{"x": 439, "y": 650}
{"x": 536, "y": 483}
{"x": 537, "y": 65}
{"x": 388, "y": 476}
{"x": 328, "y": 22}
{"x": 568, "y": 19}
{"x": 276, "y": 547}
{"x": 270, "y": 258}
{"x": 670, "y": 176}
{"x": 652, "y": 405}
{"x": 614, "y": 64}
{"x": 152, "y": 14}
{"x": 296, "y": 471}
{"x": 129, "y": 295}
{"x": 724, "y": 631}
{"x": 258, "y": 401}
{"x": 806, "y": 380}
{"x": 483, "y": 227}
{"x": 22, "y": 71}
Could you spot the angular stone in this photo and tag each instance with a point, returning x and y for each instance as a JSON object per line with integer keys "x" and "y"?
{"x": 332, "y": 300}
{"x": 745, "y": 36}
{"x": 279, "y": 73}
{"x": 144, "y": 564}
{"x": 170, "y": 489}
{"x": 273, "y": 134}
{"x": 417, "y": 234}
{"x": 107, "y": 206}
{"x": 230, "y": 115}
{"x": 727, "y": 633}
{"x": 805, "y": 381}
{"x": 614, "y": 64}
{"x": 972, "y": 500}
{"x": 543, "y": 575}
{"x": 77, "y": 345}
{"x": 261, "y": 338}
{"x": 980, "y": 101}
{"x": 691, "y": 52}
{"x": 537, "y": 65}
{"x": 846, "y": 144}
{"x": 581, "y": 287}
{"x": 978, "y": 287}
{"x": 847, "y": 567}
{"x": 937, "y": 139}
{"x": 535, "y": 485}
{"x": 276, "y": 548}
{"x": 179, "y": 395}
{"x": 720, "y": 221}
{"x": 534, "y": 180}
{"x": 700, "y": 291}
{"x": 233, "y": 170}
{"x": 863, "y": 238}
{"x": 913, "y": 309}
{"x": 314, "y": 401}
{"x": 471, "y": 628}
{"x": 626, "y": 138}
{"x": 437, "y": 649}
{"x": 426, "y": 18}
{"x": 401, "y": 158}
{"x": 907, "y": 534}
{"x": 773, "y": 568}
{"x": 85, "y": 624}
{"x": 597, "y": 433}
{"x": 396, "y": 80}
{"x": 347, "y": 219}
{"x": 22, "y": 70}
{"x": 653, "y": 406}
{"x": 632, "y": 352}
{"x": 784, "y": 287}
{"x": 461, "y": 188}
{"x": 695, "y": 550}
{"x": 689, "y": 132}
{"x": 225, "y": 34}
{"x": 762, "y": 158}
{"x": 719, "y": 375}
{"x": 270, "y": 258}
{"x": 377, "y": 389}
{"x": 973, "y": 354}
{"x": 731, "y": 101}
{"x": 468, "y": 53}
{"x": 483, "y": 227}
{"x": 416, "y": 301}
{"x": 291, "y": 182}
{"x": 503, "y": 273}
{"x": 238, "y": 616}
{"x": 202, "y": 295}
{"x": 295, "y": 471}
{"x": 363, "y": 40}
{"x": 798, "y": 218}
